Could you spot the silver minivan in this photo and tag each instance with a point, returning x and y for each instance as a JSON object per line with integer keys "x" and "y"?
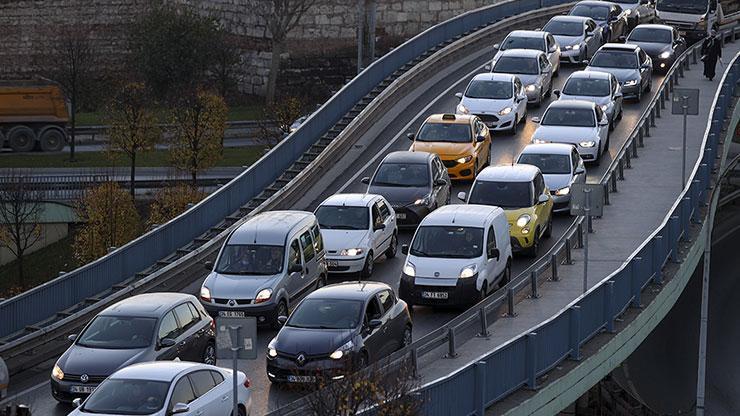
{"x": 266, "y": 264}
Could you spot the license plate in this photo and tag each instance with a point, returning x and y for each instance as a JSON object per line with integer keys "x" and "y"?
{"x": 434, "y": 295}
{"x": 301, "y": 379}
{"x": 332, "y": 263}
{"x": 231, "y": 314}
{"x": 82, "y": 389}
{"x": 491, "y": 124}
{"x": 401, "y": 215}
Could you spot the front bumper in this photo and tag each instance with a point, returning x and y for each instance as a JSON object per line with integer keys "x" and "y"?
{"x": 284, "y": 369}
{"x": 534, "y": 97}
{"x": 411, "y": 215}
{"x": 571, "y": 56}
{"x": 463, "y": 293}
{"x": 588, "y": 154}
{"x": 631, "y": 91}
{"x": 521, "y": 241}
{"x": 266, "y": 313}
{"x": 561, "y": 203}
{"x": 459, "y": 171}
{"x": 345, "y": 264}
{"x": 62, "y": 390}
{"x": 498, "y": 122}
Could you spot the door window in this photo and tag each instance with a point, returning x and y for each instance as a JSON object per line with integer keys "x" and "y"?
{"x": 307, "y": 244}
{"x": 185, "y": 317}
{"x": 168, "y": 328}
{"x": 194, "y": 311}
{"x": 377, "y": 218}
{"x": 385, "y": 212}
{"x": 202, "y": 382}
{"x": 373, "y": 310}
{"x": 318, "y": 241}
{"x": 218, "y": 378}
{"x": 182, "y": 393}
{"x": 294, "y": 257}
{"x": 491, "y": 240}
{"x": 387, "y": 300}
{"x": 599, "y": 114}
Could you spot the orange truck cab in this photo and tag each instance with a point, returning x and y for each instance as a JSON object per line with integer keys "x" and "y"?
{"x": 33, "y": 115}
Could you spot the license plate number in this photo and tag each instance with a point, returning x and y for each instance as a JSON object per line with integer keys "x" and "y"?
{"x": 332, "y": 263}
{"x": 82, "y": 389}
{"x": 301, "y": 379}
{"x": 401, "y": 215}
{"x": 434, "y": 295}
{"x": 231, "y": 314}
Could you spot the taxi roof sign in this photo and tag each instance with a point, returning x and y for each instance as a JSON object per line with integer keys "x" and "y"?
{"x": 448, "y": 117}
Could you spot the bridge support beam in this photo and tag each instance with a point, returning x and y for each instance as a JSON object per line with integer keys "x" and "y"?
{"x": 575, "y": 333}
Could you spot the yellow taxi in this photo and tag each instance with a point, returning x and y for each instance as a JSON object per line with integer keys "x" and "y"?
{"x": 463, "y": 142}
{"x": 520, "y": 190}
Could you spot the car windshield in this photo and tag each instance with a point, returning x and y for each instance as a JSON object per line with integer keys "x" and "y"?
{"x": 492, "y": 90}
{"x": 516, "y": 65}
{"x": 402, "y": 174}
{"x": 343, "y": 218}
{"x": 682, "y": 6}
{"x": 523, "y": 42}
{"x": 614, "y": 59}
{"x": 591, "y": 87}
{"x": 599, "y": 13}
{"x": 564, "y": 28}
{"x": 575, "y": 117}
{"x": 250, "y": 259}
{"x": 447, "y": 242}
{"x": 548, "y": 163}
{"x": 445, "y": 132}
{"x": 648, "y": 35}
{"x": 502, "y": 194}
{"x": 326, "y": 314}
{"x": 625, "y": 1}
{"x": 127, "y": 397}
{"x": 118, "y": 332}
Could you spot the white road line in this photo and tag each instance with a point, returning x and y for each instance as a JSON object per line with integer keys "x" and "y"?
{"x": 14, "y": 398}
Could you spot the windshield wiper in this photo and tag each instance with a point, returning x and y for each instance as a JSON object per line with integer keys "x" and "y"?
{"x": 345, "y": 227}
{"x": 378, "y": 183}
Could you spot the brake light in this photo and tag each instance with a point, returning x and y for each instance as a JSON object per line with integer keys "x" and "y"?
{"x": 247, "y": 383}
{"x": 213, "y": 324}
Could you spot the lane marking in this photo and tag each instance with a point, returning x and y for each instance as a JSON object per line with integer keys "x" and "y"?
{"x": 14, "y": 398}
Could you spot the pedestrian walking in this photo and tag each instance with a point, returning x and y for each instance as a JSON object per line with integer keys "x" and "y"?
{"x": 711, "y": 51}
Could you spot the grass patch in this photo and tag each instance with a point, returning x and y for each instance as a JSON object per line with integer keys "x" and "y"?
{"x": 236, "y": 113}
{"x": 233, "y": 156}
{"x": 39, "y": 267}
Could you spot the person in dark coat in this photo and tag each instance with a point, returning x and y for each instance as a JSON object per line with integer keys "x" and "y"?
{"x": 711, "y": 51}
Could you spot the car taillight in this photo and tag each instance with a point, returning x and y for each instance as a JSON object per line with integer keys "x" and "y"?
{"x": 213, "y": 324}
{"x": 247, "y": 383}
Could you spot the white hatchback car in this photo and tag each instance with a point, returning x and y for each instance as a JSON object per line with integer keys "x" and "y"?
{"x": 498, "y": 100}
{"x": 580, "y": 123}
{"x": 532, "y": 39}
{"x": 601, "y": 88}
{"x": 167, "y": 388}
{"x": 357, "y": 229}
{"x": 561, "y": 166}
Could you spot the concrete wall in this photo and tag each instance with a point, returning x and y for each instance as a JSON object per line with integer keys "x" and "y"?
{"x": 50, "y": 233}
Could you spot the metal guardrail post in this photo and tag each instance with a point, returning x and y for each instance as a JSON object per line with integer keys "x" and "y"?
{"x": 480, "y": 388}
{"x": 510, "y": 303}
{"x": 693, "y": 56}
{"x": 484, "y": 333}
{"x": 652, "y": 116}
{"x": 568, "y": 254}
{"x": 613, "y": 178}
{"x": 575, "y": 333}
{"x": 658, "y": 107}
{"x": 640, "y": 141}
{"x": 589, "y": 223}
{"x": 646, "y": 126}
{"x": 635, "y": 286}
{"x": 606, "y": 193}
{"x": 620, "y": 169}
{"x": 627, "y": 159}
{"x": 657, "y": 262}
{"x": 675, "y": 219}
{"x": 609, "y": 306}
{"x": 663, "y": 97}
{"x": 670, "y": 83}
{"x": 533, "y": 284}
{"x": 633, "y": 145}
{"x": 579, "y": 233}
{"x": 554, "y": 267}
{"x": 531, "y": 360}
{"x": 674, "y": 77}
{"x": 415, "y": 362}
{"x": 679, "y": 70}
{"x": 451, "y": 353}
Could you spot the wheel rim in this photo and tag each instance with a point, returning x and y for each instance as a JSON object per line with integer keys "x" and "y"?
{"x": 210, "y": 355}
{"x": 22, "y": 140}
{"x": 282, "y": 310}
{"x": 369, "y": 265}
{"x": 407, "y": 337}
{"x": 52, "y": 140}
{"x": 394, "y": 244}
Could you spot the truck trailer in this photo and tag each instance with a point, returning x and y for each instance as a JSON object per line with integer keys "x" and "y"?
{"x": 33, "y": 115}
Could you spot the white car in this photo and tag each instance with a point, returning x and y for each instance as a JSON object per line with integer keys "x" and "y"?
{"x": 167, "y": 388}
{"x": 457, "y": 256}
{"x": 532, "y": 39}
{"x": 4, "y": 379}
{"x": 601, "y": 88}
{"x": 580, "y": 123}
{"x": 357, "y": 229}
{"x": 533, "y": 69}
{"x": 498, "y": 100}
{"x": 561, "y": 166}
{"x": 579, "y": 37}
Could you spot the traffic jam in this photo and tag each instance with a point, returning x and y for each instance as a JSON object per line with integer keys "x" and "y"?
{"x": 309, "y": 275}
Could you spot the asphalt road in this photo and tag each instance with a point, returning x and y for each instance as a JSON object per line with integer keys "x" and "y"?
{"x": 392, "y": 137}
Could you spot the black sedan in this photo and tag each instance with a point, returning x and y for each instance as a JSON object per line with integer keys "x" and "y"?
{"x": 149, "y": 327}
{"x": 415, "y": 183}
{"x": 338, "y": 329}
{"x": 661, "y": 42}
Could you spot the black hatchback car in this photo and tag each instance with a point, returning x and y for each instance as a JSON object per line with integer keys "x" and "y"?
{"x": 148, "y": 327}
{"x": 415, "y": 183}
{"x": 338, "y": 329}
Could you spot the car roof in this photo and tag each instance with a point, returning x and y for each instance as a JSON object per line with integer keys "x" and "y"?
{"x": 349, "y": 290}
{"x": 270, "y": 228}
{"x": 495, "y": 76}
{"x": 527, "y": 33}
{"x": 570, "y": 18}
{"x": 572, "y": 104}
{"x": 627, "y": 47}
{"x": 152, "y": 305}
{"x": 508, "y": 173}
{"x": 528, "y": 53}
{"x": 350, "y": 200}
{"x": 590, "y": 75}
{"x": 548, "y": 149}
{"x": 449, "y": 118}
{"x": 157, "y": 370}
{"x": 405, "y": 156}
{"x": 464, "y": 215}
{"x": 653, "y": 26}
{"x": 595, "y": 3}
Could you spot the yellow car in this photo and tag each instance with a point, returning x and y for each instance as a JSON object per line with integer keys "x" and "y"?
{"x": 520, "y": 190}
{"x": 463, "y": 143}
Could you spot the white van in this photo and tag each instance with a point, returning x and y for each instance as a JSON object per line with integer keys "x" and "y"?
{"x": 458, "y": 255}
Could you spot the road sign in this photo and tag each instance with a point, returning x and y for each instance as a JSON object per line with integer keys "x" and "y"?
{"x": 578, "y": 199}
{"x": 243, "y": 331}
{"x": 688, "y": 97}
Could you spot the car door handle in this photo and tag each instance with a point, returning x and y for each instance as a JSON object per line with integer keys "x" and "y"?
{"x": 224, "y": 398}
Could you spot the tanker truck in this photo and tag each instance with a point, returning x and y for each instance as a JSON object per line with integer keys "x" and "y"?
{"x": 33, "y": 115}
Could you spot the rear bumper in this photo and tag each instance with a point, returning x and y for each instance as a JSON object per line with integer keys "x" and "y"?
{"x": 410, "y": 216}
{"x": 345, "y": 265}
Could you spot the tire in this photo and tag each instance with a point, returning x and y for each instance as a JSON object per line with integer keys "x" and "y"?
{"x": 21, "y": 139}
{"x": 320, "y": 282}
{"x": 367, "y": 270}
{"x": 209, "y": 354}
{"x": 407, "y": 337}
{"x": 392, "y": 249}
{"x": 548, "y": 230}
{"x": 282, "y": 309}
{"x": 505, "y": 275}
{"x": 242, "y": 412}
{"x": 532, "y": 251}
{"x": 52, "y": 140}
{"x": 483, "y": 292}
{"x": 512, "y": 131}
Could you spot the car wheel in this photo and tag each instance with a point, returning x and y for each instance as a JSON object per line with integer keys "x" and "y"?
{"x": 242, "y": 411}
{"x": 320, "y": 282}
{"x": 367, "y": 271}
{"x": 505, "y": 275}
{"x": 407, "y": 337}
{"x": 21, "y": 139}
{"x": 548, "y": 230}
{"x": 209, "y": 354}
{"x": 483, "y": 292}
{"x": 392, "y": 249}
{"x": 52, "y": 140}
{"x": 535, "y": 245}
{"x": 512, "y": 131}
{"x": 282, "y": 310}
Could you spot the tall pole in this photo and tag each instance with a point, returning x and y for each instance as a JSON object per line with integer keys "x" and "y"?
{"x": 587, "y": 209}
{"x": 371, "y": 30}
{"x": 360, "y": 32}
{"x": 234, "y": 332}
{"x": 685, "y": 108}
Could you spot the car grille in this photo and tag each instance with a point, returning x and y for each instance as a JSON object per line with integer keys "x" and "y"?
{"x": 238, "y": 301}
{"x": 75, "y": 378}
{"x": 449, "y": 163}
{"x": 487, "y": 118}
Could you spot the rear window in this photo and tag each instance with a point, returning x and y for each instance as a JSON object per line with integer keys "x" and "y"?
{"x": 522, "y": 42}
{"x": 516, "y": 65}
{"x": 502, "y": 194}
{"x": 574, "y": 117}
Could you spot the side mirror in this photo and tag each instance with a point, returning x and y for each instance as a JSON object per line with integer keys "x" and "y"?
{"x": 580, "y": 170}
{"x": 380, "y": 226}
{"x": 585, "y": 62}
{"x": 480, "y": 139}
{"x": 458, "y": 95}
{"x": 617, "y": 94}
{"x": 542, "y": 199}
{"x": 622, "y": 38}
{"x": 208, "y": 265}
{"x": 556, "y": 93}
{"x": 604, "y": 122}
{"x": 535, "y": 119}
{"x": 72, "y": 337}
{"x": 440, "y": 182}
{"x": 167, "y": 342}
{"x": 553, "y": 48}
{"x": 374, "y": 324}
{"x": 496, "y": 46}
{"x": 488, "y": 67}
{"x": 493, "y": 253}
{"x": 180, "y": 408}
{"x": 77, "y": 402}
{"x": 461, "y": 196}
{"x": 295, "y": 268}
{"x": 282, "y": 319}
{"x": 645, "y": 65}
{"x": 365, "y": 180}
{"x": 404, "y": 249}
{"x": 411, "y": 136}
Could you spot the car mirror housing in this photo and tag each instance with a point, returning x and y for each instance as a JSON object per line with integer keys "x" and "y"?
{"x": 493, "y": 253}
{"x": 208, "y": 265}
{"x": 374, "y": 324}
{"x": 295, "y": 268}
{"x": 461, "y": 196}
{"x": 411, "y": 136}
{"x": 72, "y": 337}
{"x": 282, "y": 319}
{"x": 180, "y": 408}
{"x": 77, "y": 402}
{"x": 458, "y": 95}
{"x": 580, "y": 170}
{"x": 378, "y": 227}
{"x": 542, "y": 199}
{"x": 480, "y": 139}
{"x": 487, "y": 67}
{"x": 167, "y": 342}
{"x": 440, "y": 182}
{"x": 365, "y": 180}
{"x": 535, "y": 119}
{"x": 604, "y": 123}
{"x": 556, "y": 93}
{"x": 404, "y": 248}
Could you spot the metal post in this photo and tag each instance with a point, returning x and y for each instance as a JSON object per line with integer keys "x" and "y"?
{"x": 568, "y": 258}
{"x": 533, "y": 283}
{"x": 587, "y": 209}
{"x": 415, "y": 362}
{"x": 652, "y": 117}
{"x": 589, "y": 221}
{"x": 554, "y": 267}
{"x": 579, "y": 234}
{"x": 373, "y": 6}
{"x": 620, "y": 170}
{"x": 451, "y": 353}
{"x": 606, "y": 193}
{"x": 634, "y": 150}
{"x": 483, "y": 323}
{"x": 510, "y": 302}
{"x": 234, "y": 332}
{"x": 614, "y": 182}
{"x": 360, "y": 32}
{"x": 685, "y": 108}
{"x": 575, "y": 332}
{"x": 480, "y": 388}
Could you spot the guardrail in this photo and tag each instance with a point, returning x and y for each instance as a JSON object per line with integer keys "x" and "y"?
{"x": 252, "y": 126}
{"x": 529, "y": 356}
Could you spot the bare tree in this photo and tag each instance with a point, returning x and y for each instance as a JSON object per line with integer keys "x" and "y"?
{"x": 277, "y": 120}
{"x": 20, "y": 209}
{"x": 279, "y": 17}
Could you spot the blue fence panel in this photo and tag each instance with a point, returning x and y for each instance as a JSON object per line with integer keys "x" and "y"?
{"x": 592, "y": 313}
{"x": 553, "y": 343}
{"x": 506, "y": 369}
{"x": 457, "y": 394}
{"x": 622, "y": 290}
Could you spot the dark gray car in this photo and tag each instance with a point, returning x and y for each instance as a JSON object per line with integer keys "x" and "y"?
{"x": 661, "y": 43}
{"x": 148, "y": 327}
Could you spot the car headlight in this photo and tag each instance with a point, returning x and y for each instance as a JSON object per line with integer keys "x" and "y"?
{"x": 409, "y": 269}
{"x": 664, "y": 55}
{"x": 588, "y": 143}
{"x": 271, "y": 351}
{"x": 465, "y": 159}
{"x": 531, "y": 87}
{"x": 604, "y": 107}
{"x": 563, "y": 191}
{"x": 504, "y": 111}
{"x": 263, "y": 296}
{"x": 539, "y": 141}
{"x": 423, "y": 201}
{"x": 468, "y": 271}
{"x": 523, "y": 220}
{"x": 576, "y": 47}
{"x": 339, "y": 353}
{"x": 631, "y": 82}
{"x": 461, "y": 109}
{"x": 57, "y": 373}
{"x": 351, "y": 252}
{"x": 205, "y": 293}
